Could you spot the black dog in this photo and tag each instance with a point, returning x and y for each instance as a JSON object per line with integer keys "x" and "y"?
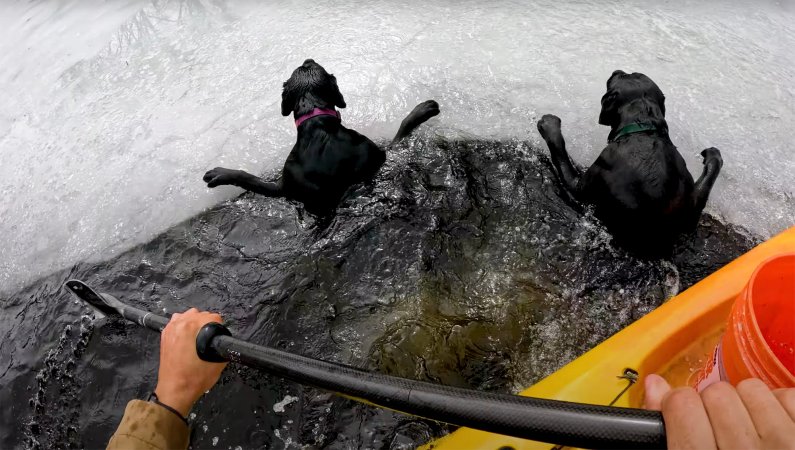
{"x": 639, "y": 185}
{"x": 327, "y": 158}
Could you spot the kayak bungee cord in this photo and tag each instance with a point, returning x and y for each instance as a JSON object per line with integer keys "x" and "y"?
{"x": 553, "y": 421}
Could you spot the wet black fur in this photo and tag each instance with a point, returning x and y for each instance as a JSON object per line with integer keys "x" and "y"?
{"x": 327, "y": 158}
{"x": 639, "y": 186}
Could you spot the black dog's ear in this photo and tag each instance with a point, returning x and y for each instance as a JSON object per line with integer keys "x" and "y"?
{"x": 336, "y": 95}
{"x": 608, "y": 115}
{"x": 288, "y": 100}
{"x": 662, "y": 104}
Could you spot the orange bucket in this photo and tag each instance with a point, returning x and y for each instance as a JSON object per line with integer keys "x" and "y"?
{"x": 759, "y": 341}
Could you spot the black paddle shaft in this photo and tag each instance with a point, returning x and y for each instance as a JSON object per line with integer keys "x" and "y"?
{"x": 553, "y": 421}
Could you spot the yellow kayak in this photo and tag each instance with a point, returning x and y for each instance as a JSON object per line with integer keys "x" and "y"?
{"x": 675, "y": 340}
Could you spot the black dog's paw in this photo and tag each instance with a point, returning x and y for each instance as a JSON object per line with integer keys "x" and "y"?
{"x": 425, "y": 111}
{"x": 548, "y": 125}
{"x": 712, "y": 155}
{"x": 220, "y": 177}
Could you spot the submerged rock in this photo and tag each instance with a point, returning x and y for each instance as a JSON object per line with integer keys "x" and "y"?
{"x": 463, "y": 264}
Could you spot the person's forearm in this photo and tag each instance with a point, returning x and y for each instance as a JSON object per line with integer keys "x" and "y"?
{"x": 177, "y": 397}
{"x": 149, "y": 426}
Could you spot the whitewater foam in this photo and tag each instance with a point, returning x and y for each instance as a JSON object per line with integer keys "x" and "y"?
{"x": 113, "y": 110}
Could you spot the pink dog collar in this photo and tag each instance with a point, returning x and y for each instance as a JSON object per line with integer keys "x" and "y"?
{"x": 316, "y": 112}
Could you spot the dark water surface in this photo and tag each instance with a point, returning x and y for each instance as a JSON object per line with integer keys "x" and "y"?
{"x": 462, "y": 265}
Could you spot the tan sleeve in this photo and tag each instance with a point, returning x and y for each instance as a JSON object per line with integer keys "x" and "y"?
{"x": 148, "y": 426}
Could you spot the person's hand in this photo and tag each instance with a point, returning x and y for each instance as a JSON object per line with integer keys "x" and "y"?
{"x": 749, "y": 416}
{"x": 183, "y": 377}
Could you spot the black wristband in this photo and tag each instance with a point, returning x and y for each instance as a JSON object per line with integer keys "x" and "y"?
{"x": 153, "y": 398}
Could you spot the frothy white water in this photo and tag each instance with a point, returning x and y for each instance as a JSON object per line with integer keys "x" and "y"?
{"x": 112, "y": 111}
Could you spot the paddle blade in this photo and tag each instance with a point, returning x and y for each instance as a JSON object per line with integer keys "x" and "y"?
{"x": 88, "y": 296}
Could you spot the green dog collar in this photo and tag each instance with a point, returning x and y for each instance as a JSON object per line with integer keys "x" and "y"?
{"x": 632, "y": 129}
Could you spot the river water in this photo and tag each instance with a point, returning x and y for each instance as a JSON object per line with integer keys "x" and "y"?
{"x": 463, "y": 265}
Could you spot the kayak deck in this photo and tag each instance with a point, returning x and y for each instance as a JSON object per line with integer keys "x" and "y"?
{"x": 674, "y": 340}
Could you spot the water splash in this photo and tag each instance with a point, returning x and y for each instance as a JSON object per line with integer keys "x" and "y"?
{"x": 107, "y": 128}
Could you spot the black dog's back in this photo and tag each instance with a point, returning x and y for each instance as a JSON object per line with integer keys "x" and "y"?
{"x": 640, "y": 172}
{"x": 325, "y": 161}
{"x": 642, "y": 190}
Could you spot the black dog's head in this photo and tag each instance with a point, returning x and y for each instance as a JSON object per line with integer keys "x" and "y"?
{"x": 624, "y": 88}
{"x": 311, "y": 85}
